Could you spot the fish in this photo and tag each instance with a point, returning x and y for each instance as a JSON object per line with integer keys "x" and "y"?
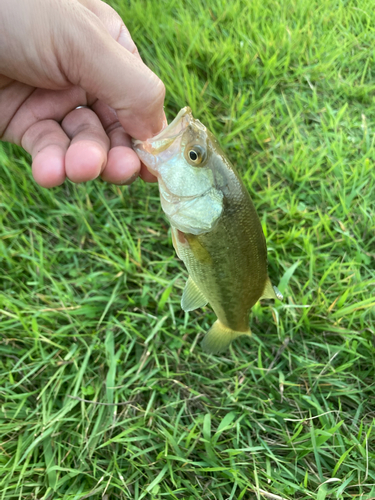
{"x": 215, "y": 228}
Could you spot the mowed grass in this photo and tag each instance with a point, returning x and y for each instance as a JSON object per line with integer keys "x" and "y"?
{"x": 105, "y": 391}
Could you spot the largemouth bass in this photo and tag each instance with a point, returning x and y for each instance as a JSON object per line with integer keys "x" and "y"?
{"x": 215, "y": 228}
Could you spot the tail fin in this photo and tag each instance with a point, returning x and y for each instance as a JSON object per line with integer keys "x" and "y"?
{"x": 219, "y": 337}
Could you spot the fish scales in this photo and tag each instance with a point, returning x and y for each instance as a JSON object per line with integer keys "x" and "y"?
{"x": 215, "y": 228}
{"x": 235, "y": 277}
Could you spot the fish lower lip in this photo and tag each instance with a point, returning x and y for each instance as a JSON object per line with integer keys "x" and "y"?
{"x": 188, "y": 198}
{"x": 175, "y": 198}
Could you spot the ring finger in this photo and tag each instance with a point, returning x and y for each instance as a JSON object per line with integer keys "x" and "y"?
{"x": 123, "y": 164}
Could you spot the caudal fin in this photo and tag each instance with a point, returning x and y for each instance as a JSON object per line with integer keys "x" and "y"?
{"x": 219, "y": 337}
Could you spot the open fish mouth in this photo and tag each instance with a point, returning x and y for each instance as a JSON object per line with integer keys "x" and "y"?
{"x": 176, "y": 126}
{"x": 174, "y": 129}
{"x": 167, "y": 144}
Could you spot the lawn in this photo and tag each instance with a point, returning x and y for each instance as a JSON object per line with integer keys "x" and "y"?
{"x": 105, "y": 391}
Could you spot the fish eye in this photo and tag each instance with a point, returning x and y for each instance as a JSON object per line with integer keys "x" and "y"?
{"x": 195, "y": 155}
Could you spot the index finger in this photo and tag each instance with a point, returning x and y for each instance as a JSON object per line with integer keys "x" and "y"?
{"x": 113, "y": 74}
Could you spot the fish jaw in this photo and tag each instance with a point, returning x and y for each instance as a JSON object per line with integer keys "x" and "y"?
{"x": 166, "y": 145}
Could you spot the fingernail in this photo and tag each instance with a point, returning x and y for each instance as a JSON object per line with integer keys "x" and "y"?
{"x": 130, "y": 180}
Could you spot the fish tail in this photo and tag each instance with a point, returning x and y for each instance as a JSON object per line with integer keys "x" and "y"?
{"x": 219, "y": 337}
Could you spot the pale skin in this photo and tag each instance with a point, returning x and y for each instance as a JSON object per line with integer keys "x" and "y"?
{"x": 56, "y": 55}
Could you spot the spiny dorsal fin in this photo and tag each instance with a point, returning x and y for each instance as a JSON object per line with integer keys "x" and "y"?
{"x": 192, "y": 297}
{"x": 271, "y": 292}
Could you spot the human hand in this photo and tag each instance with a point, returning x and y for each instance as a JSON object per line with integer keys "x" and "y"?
{"x": 57, "y": 55}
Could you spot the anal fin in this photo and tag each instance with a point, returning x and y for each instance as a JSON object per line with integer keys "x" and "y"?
{"x": 271, "y": 292}
{"x": 192, "y": 297}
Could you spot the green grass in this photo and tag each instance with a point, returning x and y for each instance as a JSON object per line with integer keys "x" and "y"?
{"x": 105, "y": 392}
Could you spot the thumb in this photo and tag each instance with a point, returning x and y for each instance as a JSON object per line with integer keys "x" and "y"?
{"x": 92, "y": 59}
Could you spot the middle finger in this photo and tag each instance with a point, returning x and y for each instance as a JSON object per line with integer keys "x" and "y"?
{"x": 86, "y": 156}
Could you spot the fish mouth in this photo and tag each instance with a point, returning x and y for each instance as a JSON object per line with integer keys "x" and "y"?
{"x": 176, "y": 126}
{"x": 155, "y": 151}
{"x": 174, "y": 129}
{"x": 168, "y": 145}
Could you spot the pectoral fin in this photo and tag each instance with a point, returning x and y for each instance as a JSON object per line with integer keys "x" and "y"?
{"x": 192, "y": 297}
{"x": 271, "y": 292}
